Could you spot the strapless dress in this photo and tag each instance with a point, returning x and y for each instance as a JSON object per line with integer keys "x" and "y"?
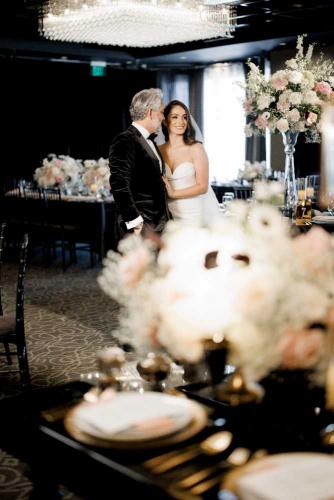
{"x": 199, "y": 209}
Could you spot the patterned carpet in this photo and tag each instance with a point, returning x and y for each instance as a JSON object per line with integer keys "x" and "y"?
{"x": 67, "y": 319}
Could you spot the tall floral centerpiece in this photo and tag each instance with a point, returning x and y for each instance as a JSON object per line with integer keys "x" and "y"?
{"x": 290, "y": 102}
{"x": 246, "y": 280}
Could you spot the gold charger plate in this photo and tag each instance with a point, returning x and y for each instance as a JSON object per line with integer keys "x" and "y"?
{"x": 197, "y": 423}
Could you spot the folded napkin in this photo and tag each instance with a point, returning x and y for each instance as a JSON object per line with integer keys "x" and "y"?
{"x": 288, "y": 476}
{"x": 149, "y": 412}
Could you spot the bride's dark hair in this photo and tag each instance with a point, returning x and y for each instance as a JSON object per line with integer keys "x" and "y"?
{"x": 189, "y": 134}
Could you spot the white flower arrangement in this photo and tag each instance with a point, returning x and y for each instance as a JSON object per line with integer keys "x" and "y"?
{"x": 253, "y": 171}
{"x": 270, "y": 295}
{"x": 66, "y": 172}
{"x": 96, "y": 175}
{"x": 58, "y": 171}
{"x": 292, "y": 98}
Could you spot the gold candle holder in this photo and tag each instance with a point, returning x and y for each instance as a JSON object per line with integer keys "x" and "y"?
{"x": 236, "y": 391}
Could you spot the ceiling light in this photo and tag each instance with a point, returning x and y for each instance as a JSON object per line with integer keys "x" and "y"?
{"x": 136, "y": 23}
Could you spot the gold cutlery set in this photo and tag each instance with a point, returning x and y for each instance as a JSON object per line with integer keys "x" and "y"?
{"x": 198, "y": 480}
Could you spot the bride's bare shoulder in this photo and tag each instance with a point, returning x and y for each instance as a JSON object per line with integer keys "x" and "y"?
{"x": 197, "y": 146}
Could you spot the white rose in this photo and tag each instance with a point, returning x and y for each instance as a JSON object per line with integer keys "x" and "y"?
{"x": 295, "y": 98}
{"x": 263, "y": 101}
{"x": 282, "y": 125}
{"x": 293, "y": 115}
{"x": 295, "y": 77}
{"x": 310, "y": 97}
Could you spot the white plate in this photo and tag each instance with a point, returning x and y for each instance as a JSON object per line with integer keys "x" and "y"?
{"x": 288, "y": 476}
{"x": 134, "y": 416}
{"x": 323, "y": 219}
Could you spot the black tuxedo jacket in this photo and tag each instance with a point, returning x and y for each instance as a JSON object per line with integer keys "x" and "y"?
{"x": 136, "y": 181}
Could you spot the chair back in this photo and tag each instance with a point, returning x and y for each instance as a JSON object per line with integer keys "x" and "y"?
{"x": 2, "y": 242}
{"x": 242, "y": 193}
{"x": 20, "y": 286}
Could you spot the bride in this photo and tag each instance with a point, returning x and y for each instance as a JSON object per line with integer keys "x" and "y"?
{"x": 191, "y": 199}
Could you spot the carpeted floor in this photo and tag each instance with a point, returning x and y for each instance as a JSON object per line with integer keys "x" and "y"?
{"x": 67, "y": 320}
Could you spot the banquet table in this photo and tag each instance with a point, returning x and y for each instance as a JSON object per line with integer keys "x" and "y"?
{"x": 90, "y": 218}
{"x": 57, "y": 458}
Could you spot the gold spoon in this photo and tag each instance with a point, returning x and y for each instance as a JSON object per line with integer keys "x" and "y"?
{"x": 214, "y": 444}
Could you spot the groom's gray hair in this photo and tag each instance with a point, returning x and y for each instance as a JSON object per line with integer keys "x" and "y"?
{"x": 143, "y": 101}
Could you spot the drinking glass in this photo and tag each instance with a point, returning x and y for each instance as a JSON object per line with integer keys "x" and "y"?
{"x": 304, "y": 202}
{"x": 228, "y": 197}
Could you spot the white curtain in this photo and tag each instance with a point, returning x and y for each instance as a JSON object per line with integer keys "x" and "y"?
{"x": 174, "y": 86}
{"x": 224, "y": 119}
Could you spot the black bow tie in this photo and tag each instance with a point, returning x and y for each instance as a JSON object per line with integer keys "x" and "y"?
{"x": 151, "y": 137}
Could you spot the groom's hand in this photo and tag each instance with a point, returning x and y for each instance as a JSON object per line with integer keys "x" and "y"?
{"x": 138, "y": 229}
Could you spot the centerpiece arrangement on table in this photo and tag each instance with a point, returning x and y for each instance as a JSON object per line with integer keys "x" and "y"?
{"x": 290, "y": 102}
{"x": 244, "y": 279}
{"x": 88, "y": 177}
{"x": 253, "y": 171}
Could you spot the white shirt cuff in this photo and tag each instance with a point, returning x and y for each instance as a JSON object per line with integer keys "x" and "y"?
{"x": 135, "y": 222}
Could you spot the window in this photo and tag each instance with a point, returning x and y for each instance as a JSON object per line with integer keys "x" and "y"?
{"x": 224, "y": 120}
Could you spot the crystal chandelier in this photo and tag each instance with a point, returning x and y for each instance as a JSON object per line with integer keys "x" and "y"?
{"x": 136, "y": 23}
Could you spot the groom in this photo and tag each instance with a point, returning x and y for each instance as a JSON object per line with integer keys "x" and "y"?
{"x": 137, "y": 167}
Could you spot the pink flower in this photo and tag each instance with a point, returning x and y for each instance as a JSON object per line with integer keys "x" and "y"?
{"x": 312, "y": 118}
{"x": 312, "y": 251}
{"x": 300, "y": 348}
{"x": 323, "y": 88}
{"x": 133, "y": 266}
{"x": 261, "y": 122}
{"x": 279, "y": 80}
{"x": 248, "y": 106}
{"x": 58, "y": 179}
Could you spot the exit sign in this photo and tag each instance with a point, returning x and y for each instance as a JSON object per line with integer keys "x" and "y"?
{"x": 98, "y": 68}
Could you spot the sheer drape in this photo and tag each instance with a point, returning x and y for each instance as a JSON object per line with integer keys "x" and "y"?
{"x": 224, "y": 119}
{"x": 258, "y": 146}
{"x": 174, "y": 86}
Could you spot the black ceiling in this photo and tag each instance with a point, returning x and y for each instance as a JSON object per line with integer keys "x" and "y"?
{"x": 261, "y": 26}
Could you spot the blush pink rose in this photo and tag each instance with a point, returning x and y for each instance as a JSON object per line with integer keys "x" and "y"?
{"x": 312, "y": 118}
{"x": 261, "y": 122}
{"x": 133, "y": 266}
{"x": 323, "y": 88}
{"x": 248, "y": 106}
{"x": 279, "y": 80}
{"x": 317, "y": 242}
{"x": 300, "y": 348}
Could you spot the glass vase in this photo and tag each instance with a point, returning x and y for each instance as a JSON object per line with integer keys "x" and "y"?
{"x": 290, "y": 189}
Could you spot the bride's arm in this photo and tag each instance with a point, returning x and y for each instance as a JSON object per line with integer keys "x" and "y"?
{"x": 201, "y": 164}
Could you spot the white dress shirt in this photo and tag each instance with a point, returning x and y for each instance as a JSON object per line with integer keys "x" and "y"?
{"x": 145, "y": 133}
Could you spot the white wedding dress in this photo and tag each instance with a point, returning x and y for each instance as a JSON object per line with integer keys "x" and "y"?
{"x": 200, "y": 209}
